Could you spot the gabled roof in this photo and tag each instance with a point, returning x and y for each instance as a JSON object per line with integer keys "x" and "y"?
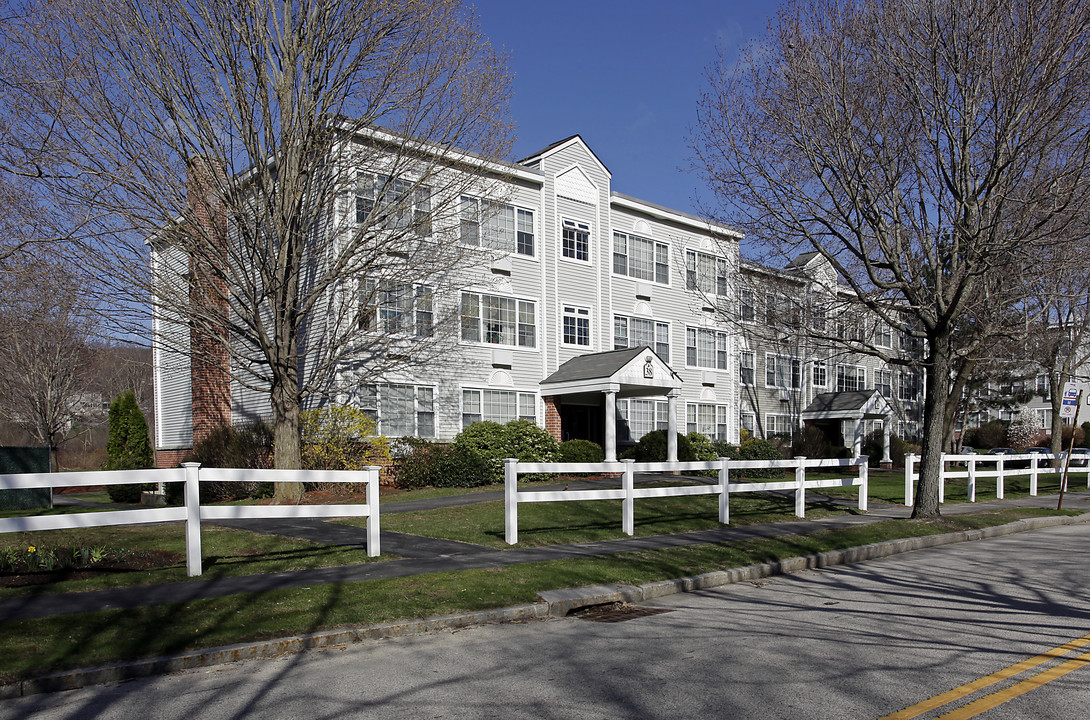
{"x": 855, "y": 404}
{"x": 593, "y": 366}
{"x": 631, "y": 371}
{"x": 561, "y": 144}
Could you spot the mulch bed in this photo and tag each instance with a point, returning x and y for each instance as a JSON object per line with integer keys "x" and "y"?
{"x": 132, "y": 562}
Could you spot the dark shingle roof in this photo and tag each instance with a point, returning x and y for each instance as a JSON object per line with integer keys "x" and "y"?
{"x": 840, "y": 401}
{"x": 594, "y": 366}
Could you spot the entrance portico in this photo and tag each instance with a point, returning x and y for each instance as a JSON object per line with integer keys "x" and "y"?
{"x": 584, "y": 381}
{"x": 855, "y": 407}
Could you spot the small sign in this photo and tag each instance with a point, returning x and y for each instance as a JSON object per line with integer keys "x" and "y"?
{"x": 1069, "y": 405}
{"x": 648, "y": 369}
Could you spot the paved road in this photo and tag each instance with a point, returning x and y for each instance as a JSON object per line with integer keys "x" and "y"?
{"x": 857, "y": 641}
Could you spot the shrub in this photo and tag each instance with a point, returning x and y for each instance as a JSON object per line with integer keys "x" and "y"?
{"x": 248, "y": 447}
{"x": 425, "y": 464}
{"x": 128, "y": 447}
{"x": 811, "y": 442}
{"x": 755, "y": 449}
{"x": 872, "y": 447}
{"x": 581, "y": 451}
{"x": 493, "y": 442}
{"x": 702, "y": 446}
{"x": 1085, "y": 434}
{"x": 652, "y": 448}
{"x": 338, "y": 437}
{"x": 989, "y": 435}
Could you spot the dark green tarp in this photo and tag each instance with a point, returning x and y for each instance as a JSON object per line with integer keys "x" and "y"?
{"x": 15, "y": 460}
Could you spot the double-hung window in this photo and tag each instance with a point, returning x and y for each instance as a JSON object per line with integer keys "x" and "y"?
{"x": 501, "y": 406}
{"x": 576, "y": 240}
{"x": 393, "y": 307}
{"x": 641, "y": 258}
{"x": 908, "y": 387}
{"x": 883, "y": 383}
{"x": 706, "y": 419}
{"x": 782, "y": 371}
{"x": 747, "y": 367}
{"x": 496, "y": 226}
{"x": 778, "y": 425}
{"x": 883, "y": 334}
{"x": 576, "y": 326}
{"x": 638, "y": 332}
{"x": 399, "y": 410}
{"x": 706, "y": 273}
{"x": 394, "y": 203}
{"x": 497, "y": 320}
{"x": 642, "y": 416}
{"x": 819, "y": 373}
{"x": 850, "y": 378}
{"x": 706, "y": 348}
{"x": 747, "y": 305}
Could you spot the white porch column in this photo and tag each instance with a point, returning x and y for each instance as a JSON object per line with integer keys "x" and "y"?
{"x": 671, "y": 426}
{"x": 611, "y": 423}
{"x": 857, "y": 438}
{"x": 887, "y": 431}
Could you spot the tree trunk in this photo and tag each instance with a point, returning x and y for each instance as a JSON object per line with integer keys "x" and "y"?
{"x": 934, "y": 415}
{"x": 287, "y": 447}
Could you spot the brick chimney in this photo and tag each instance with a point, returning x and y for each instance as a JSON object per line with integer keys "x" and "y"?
{"x": 208, "y": 342}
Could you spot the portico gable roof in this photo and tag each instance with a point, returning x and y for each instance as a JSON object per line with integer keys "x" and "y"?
{"x": 852, "y": 405}
{"x": 628, "y": 372}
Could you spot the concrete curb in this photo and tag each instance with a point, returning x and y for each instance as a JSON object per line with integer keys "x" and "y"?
{"x": 556, "y": 603}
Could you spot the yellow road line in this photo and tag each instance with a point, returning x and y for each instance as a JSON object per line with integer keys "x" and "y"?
{"x": 969, "y": 688}
{"x": 1001, "y": 696}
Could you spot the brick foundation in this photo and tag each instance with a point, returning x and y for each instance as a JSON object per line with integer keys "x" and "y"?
{"x": 552, "y": 417}
{"x": 165, "y": 459}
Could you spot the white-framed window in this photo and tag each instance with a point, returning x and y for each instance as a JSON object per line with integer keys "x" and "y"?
{"x": 819, "y": 373}
{"x": 576, "y": 326}
{"x": 501, "y": 406}
{"x": 707, "y": 419}
{"x": 747, "y": 305}
{"x": 497, "y": 320}
{"x": 849, "y": 328}
{"x": 818, "y": 316}
{"x": 706, "y": 348}
{"x": 497, "y": 226}
{"x": 783, "y": 371}
{"x": 908, "y": 385}
{"x": 850, "y": 378}
{"x": 393, "y": 203}
{"x": 883, "y": 383}
{"x": 1041, "y": 387}
{"x": 883, "y": 334}
{"x": 706, "y": 273}
{"x": 575, "y": 242}
{"x": 395, "y": 307}
{"x": 643, "y": 416}
{"x": 399, "y": 410}
{"x": 748, "y": 422}
{"x": 641, "y": 258}
{"x": 747, "y": 367}
{"x": 776, "y": 424}
{"x": 638, "y": 332}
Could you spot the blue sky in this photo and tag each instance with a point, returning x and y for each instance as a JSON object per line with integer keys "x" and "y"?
{"x": 624, "y": 75}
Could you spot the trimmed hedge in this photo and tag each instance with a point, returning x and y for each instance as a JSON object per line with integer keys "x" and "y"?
{"x": 581, "y": 451}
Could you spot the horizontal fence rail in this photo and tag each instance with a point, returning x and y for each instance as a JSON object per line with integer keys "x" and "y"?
{"x": 192, "y": 512}
{"x": 975, "y": 467}
{"x": 627, "y": 493}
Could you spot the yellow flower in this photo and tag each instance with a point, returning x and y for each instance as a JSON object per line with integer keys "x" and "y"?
{"x": 31, "y": 549}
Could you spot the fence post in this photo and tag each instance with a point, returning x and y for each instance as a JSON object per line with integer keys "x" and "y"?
{"x": 942, "y": 478}
{"x": 800, "y": 491}
{"x": 999, "y": 479}
{"x": 864, "y": 481}
{"x": 724, "y": 492}
{"x": 192, "y": 495}
{"x": 510, "y": 500}
{"x": 910, "y": 460}
{"x": 1033, "y": 476}
{"x": 628, "y": 505}
{"x": 972, "y": 479}
{"x": 373, "y": 549}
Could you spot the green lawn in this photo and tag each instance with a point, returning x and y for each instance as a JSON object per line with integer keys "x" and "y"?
{"x": 30, "y": 648}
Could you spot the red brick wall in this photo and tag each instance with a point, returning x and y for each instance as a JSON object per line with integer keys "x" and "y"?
{"x": 552, "y": 417}
{"x": 165, "y": 459}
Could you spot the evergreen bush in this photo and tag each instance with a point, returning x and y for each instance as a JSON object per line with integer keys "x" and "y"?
{"x": 128, "y": 446}
{"x": 652, "y": 448}
{"x": 426, "y": 464}
{"x": 520, "y": 439}
{"x": 581, "y": 451}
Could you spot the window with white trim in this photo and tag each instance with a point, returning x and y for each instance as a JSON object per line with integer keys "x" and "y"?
{"x": 883, "y": 383}
{"x": 908, "y": 385}
{"x": 575, "y": 243}
{"x": 779, "y": 425}
{"x": 497, "y": 226}
{"x": 399, "y": 410}
{"x": 642, "y": 416}
{"x": 819, "y": 373}
{"x": 747, "y": 367}
{"x": 638, "y": 332}
{"x": 497, "y": 320}
{"x": 850, "y": 378}
{"x": 641, "y": 258}
{"x": 394, "y": 307}
{"x": 883, "y": 334}
{"x": 394, "y": 203}
{"x": 706, "y": 348}
{"x": 783, "y": 371}
{"x": 747, "y": 421}
{"x": 707, "y": 419}
{"x": 576, "y": 326}
{"x": 501, "y": 406}
{"x": 747, "y": 305}
{"x": 706, "y": 273}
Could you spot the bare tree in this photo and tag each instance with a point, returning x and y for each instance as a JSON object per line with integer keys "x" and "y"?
{"x": 44, "y": 328}
{"x": 299, "y": 167}
{"x": 924, "y": 149}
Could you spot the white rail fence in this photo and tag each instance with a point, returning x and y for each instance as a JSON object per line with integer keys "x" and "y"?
{"x": 974, "y": 468}
{"x": 192, "y": 512}
{"x": 627, "y": 493}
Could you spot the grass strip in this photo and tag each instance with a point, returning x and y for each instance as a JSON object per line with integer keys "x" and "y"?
{"x": 30, "y": 648}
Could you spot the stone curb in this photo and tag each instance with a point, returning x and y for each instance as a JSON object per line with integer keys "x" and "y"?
{"x": 556, "y": 603}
